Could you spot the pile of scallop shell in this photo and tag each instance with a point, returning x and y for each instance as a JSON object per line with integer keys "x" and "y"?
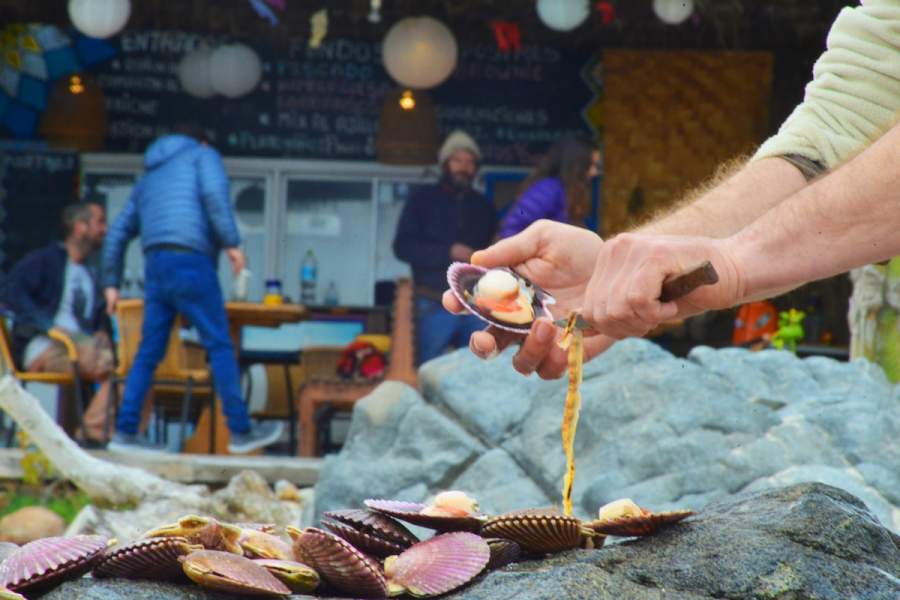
{"x": 364, "y": 553}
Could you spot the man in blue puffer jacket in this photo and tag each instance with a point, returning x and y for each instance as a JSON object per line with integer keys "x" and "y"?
{"x": 182, "y": 211}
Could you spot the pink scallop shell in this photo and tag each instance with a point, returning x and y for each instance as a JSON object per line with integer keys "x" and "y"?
{"x": 462, "y": 277}
{"x": 44, "y": 563}
{"x": 411, "y": 512}
{"x": 151, "y": 558}
{"x": 7, "y": 548}
{"x": 340, "y": 564}
{"x": 235, "y": 574}
{"x": 443, "y": 563}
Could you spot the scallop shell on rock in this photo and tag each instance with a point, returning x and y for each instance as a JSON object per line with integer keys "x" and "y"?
{"x": 438, "y": 565}
{"x": 411, "y": 512}
{"x": 301, "y": 578}
{"x": 503, "y": 552}
{"x": 42, "y": 564}
{"x": 231, "y": 573}
{"x": 7, "y": 548}
{"x": 373, "y": 533}
{"x": 152, "y": 558}
{"x": 640, "y": 525}
{"x": 339, "y": 564}
{"x": 462, "y": 279}
{"x": 540, "y": 531}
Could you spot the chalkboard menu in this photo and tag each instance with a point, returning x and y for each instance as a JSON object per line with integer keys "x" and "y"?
{"x": 324, "y": 103}
{"x": 35, "y": 185}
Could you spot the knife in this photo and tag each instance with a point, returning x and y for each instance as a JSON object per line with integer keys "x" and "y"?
{"x": 672, "y": 289}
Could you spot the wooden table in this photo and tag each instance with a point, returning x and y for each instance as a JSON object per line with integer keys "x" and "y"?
{"x": 239, "y": 315}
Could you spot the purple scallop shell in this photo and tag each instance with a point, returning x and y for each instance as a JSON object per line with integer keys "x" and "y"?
{"x": 340, "y": 564}
{"x": 646, "y": 524}
{"x": 411, "y": 512}
{"x": 365, "y": 542}
{"x": 462, "y": 277}
{"x": 42, "y": 564}
{"x": 440, "y": 564}
{"x": 377, "y": 524}
{"x": 7, "y": 548}
{"x": 151, "y": 558}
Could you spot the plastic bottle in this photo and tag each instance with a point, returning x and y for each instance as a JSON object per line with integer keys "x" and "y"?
{"x": 331, "y": 294}
{"x": 308, "y": 274}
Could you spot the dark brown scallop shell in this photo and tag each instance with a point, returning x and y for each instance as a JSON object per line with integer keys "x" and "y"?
{"x": 338, "y": 563}
{"x": 641, "y": 525}
{"x": 540, "y": 531}
{"x": 411, "y": 512}
{"x": 151, "y": 558}
{"x": 42, "y": 564}
{"x": 462, "y": 279}
{"x": 503, "y": 552}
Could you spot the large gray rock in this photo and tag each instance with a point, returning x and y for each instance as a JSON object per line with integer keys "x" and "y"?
{"x": 808, "y": 541}
{"x": 666, "y": 431}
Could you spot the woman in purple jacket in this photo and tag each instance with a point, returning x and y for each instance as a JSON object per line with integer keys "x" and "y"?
{"x": 558, "y": 187}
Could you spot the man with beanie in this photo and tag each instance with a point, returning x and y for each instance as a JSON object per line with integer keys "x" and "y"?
{"x": 440, "y": 224}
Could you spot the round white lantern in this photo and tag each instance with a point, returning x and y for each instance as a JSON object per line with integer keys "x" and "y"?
{"x": 563, "y": 15}
{"x": 673, "y": 12}
{"x": 419, "y": 52}
{"x": 194, "y": 73}
{"x": 234, "y": 70}
{"x": 99, "y": 18}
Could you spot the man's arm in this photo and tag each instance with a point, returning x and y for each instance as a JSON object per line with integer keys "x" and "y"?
{"x": 215, "y": 196}
{"x": 20, "y": 290}
{"x": 122, "y": 231}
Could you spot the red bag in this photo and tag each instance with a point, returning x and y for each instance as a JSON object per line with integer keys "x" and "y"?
{"x": 361, "y": 360}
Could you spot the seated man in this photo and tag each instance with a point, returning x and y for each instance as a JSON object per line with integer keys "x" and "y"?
{"x": 54, "y": 288}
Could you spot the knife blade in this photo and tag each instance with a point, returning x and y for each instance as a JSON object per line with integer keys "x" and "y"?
{"x": 672, "y": 289}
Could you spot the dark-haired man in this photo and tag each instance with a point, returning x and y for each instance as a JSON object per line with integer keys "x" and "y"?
{"x": 53, "y": 287}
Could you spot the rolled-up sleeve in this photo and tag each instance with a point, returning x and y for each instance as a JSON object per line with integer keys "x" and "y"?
{"x": 854, "y": 96}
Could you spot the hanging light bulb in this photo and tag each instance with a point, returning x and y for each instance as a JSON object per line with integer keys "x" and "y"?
{"x": 673, "y": 12}
{"x": 375, "y": 12}
{"x": 407, "y": 100}
{"x": 75, "y": 85}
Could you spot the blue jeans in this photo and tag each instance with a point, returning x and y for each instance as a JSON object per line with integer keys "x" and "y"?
{"x": 436, "y": 329}
{"x": 186, "y": 283}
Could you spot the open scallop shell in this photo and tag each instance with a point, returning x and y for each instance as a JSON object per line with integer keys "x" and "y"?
{"x": 42, "y": 564}
{"x": 231, "y": 573}
{"x": 411, "y": 512}
{"x": 301, "y": 578}
{"x": 503, "y": 552}
{"x": 152, "y": 558}
{"x": 641, "y": 525}
{"x": 540, "y": 531}
{"x": 340, "y": 564}
{"x": 443, "y": 563}
{"x": 462, "y": 278}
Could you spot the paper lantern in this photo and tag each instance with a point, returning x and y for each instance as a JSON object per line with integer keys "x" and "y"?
{"x": 419, "y": 52}
{"x": 99, "y": 18}
{"x": 234, "y": 70}
{"x": 194, "y": 73}
{"x": 673, "y": 12}
{"x": 563, "y": 15}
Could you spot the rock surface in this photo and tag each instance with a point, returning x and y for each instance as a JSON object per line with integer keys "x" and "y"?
{"x": 30, "y": 523}
{"x": 804, "y": 542}
{"x": 667, "y": 432}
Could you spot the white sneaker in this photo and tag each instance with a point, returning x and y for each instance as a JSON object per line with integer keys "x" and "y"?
{"x": 259, "y": 436}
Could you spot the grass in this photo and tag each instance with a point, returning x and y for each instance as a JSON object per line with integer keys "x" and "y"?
{"x": 60, "y": 497}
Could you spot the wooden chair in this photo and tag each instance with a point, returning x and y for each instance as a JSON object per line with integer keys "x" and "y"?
{"x": 69, "y": 379}
{"x": 180, "y": 376}
{"x": 321, "y": 385}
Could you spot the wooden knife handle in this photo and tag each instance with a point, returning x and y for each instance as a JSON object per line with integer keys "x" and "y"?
{"x": 686, "y": 283}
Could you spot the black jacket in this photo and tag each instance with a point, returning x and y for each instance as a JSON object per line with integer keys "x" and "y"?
{"x": 436, "y": 217}
{"x": 34, "y": 291}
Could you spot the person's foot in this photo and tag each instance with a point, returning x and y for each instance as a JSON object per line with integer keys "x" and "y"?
{"x": 132, "y": 443}
{"x": 258, "y": 436}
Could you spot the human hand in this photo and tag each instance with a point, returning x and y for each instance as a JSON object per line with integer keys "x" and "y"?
{"x": 560, "y": 259}
{"x": 461, "y": 252}
{"x": 112, "y": 298}
{"x": 237, "y": 259}
{"x": 623, "y": 296}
